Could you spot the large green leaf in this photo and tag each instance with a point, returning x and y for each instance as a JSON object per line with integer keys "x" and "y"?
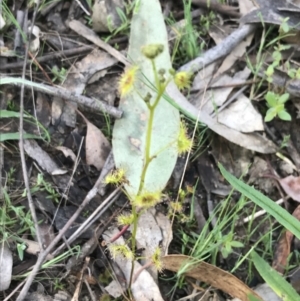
{"x": 278, "y": 284}
{"x": 129, "y": 135}
{"x": 281, "y": 215}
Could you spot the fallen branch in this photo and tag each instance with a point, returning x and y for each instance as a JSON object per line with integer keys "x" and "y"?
{"x": 94, "y": 104}
{"x": 219, "y": 51}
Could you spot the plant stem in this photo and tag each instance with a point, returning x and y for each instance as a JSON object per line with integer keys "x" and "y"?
{"x": 160, "y": 90}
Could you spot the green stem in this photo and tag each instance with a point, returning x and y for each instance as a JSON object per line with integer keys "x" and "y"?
{"x": 160, "y": 88}
{"x": 133, "y": 241}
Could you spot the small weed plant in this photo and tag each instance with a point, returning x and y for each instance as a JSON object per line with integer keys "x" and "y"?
{"x": 276, "y": 104}
{"x": 15, "y": 221}
{"x": 124, "y": 16}
{"x": 59, "y": 75}
{"x": 145, "y": 199}
{"x": 43, "y": 185}
{"x": 189, "y": 43}
{"x": 275, "y": 101}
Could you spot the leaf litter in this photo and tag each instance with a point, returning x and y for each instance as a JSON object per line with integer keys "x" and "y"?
{"x": 232, "y": 114}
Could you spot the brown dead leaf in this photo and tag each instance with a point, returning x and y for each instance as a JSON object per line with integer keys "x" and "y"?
{"x": 291, "y": 185}
{"x": 97, "y": 146}
{"x": 67, "y": 152}
{"x": 283, "y": 248}
{"x": 210, "y": 274}
{"x": 282, "y": 251}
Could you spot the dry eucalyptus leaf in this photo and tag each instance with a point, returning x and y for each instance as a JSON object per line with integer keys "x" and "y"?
{"x": 273, "y": 12}
{"x": 283, "y": 247}
{"x": 209, "y": 274}
{"x": 105, "y": 15}
{"x": 251, "y": 141}
{"x": 97, "y": 146}
{"x": 77, "y": 78}
{"x": 148, "y": 236}
{"x": 6, "y": 262}
{"x": 114, "y": 289}
{"x": 241, "y": 116}
{"x": 265, "y": 292}
{"x": 34, "y": 151}
{"x": 166, "y": 228}
{"x": 43, "y": 109}
{"x": 144, "y": 287}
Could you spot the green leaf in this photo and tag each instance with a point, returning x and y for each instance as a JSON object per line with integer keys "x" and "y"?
{"x": 277, "y": 56}
{"x": 278, "y": 284}
{"x": 285, "y": 27}
{"x": 129, "y": 133}
{"x": 21, "y": 248}
{"x": 225, "y": 252}
{"x": 284, "y": 115}
{"x": 279, "y": 107}
{"x": 270, "y": 115}
{"x": 282, "y": 216}
{"x": 16, "y": 136}
{"x": 253, "y": 298}
{"x": 284, "y": 98}
{"x": 9, "y": 114}
{"x": 236, "y": 244}
{"x": 269, "y": 71}
{"x": 271, "y": 99}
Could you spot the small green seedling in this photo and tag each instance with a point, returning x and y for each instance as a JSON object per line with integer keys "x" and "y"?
{"x": 285, "y": 141}
{"x": 276, "y": 102}
{"x": 59, "y": 74}
{"x": 228, "y": 243}
{"x": 277, "y": 58}
{"x": 21, "y": 247}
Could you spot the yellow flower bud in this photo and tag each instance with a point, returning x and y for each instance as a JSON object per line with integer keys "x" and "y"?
{"x": 183, "y": 80}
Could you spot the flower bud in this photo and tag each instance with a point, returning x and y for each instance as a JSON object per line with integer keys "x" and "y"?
{"x": 151, "y": 51}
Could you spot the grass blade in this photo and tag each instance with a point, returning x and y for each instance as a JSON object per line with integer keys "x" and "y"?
{"x": 281, "y": 215}
{"x": 278, "y": 284}
{"x": 16, "y": 136}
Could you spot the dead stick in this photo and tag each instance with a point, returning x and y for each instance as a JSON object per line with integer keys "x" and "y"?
{"x": 43, "y": 254}
{"x": 94, "y": 104}
{"x": 48, "y": 57}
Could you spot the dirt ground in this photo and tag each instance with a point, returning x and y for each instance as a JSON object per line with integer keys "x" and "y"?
{"x": 70, "y": 121}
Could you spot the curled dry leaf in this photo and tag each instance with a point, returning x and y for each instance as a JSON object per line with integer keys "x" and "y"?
{"x": 33, "y": 248}
{"x": 283, "y": 248}
{"x": 67, "y": 152}
{"x": 209, "y": 274}
{"x": 34, "y": 45}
